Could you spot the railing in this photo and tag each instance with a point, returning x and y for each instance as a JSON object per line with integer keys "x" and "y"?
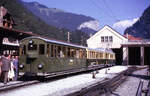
{"x": 139, "y": 90}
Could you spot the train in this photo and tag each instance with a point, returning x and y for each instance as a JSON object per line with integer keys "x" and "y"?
{"x": 40, "y": 56}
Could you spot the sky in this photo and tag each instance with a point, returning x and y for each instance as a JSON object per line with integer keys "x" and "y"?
{"x": 119, "y": 14}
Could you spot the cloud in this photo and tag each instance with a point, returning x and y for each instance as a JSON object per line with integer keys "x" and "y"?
{"x": 122, "y": 25}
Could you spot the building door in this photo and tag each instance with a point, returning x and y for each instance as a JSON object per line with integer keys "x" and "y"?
{"x": 146, "y": 56}
{"x": 118, "y": 55}
{"x": 134, "y": 55}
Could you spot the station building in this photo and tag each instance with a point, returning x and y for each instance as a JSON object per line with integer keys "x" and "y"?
{"x": 9, "y": 37}
{"x": 128, "y": 49}
{"x": 136, "y": 52}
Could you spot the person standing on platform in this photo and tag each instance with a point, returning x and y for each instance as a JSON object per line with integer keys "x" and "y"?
{"x": 11, "y": 73}
{"x": 5, "y": 67}
{"x": 0, "y": 66}
{"x": 15, "y": 62}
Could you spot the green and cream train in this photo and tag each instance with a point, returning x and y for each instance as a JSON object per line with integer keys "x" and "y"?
{"x": 45, "y": 57}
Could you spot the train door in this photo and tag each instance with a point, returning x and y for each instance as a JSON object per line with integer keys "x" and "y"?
{"x": 30, "y": 66}
{"x": 32, "y": 56}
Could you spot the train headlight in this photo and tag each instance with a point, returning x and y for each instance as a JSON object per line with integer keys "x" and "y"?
{"x": 21, "y": 66}
{"x": 40, "y": 66}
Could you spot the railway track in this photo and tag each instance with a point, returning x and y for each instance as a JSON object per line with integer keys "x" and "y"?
{"x": 16, "y": 84}
{"x": 104, "y": 87}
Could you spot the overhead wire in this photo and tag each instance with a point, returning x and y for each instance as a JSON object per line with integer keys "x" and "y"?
{"x": 105, "y": 5}
{"x": 112, "y": 13}
{"x": 93, "y": 3}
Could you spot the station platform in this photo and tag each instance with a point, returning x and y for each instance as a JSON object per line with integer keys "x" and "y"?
{"x": 66, "y": 85}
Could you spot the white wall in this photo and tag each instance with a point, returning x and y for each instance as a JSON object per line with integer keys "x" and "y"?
{"x": 95, "y": 40}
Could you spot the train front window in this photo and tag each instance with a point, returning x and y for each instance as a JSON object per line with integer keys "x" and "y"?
{"x": 24, "y": 49}
{"x": 41, "y": 49}
{"x": 32, "y": 47}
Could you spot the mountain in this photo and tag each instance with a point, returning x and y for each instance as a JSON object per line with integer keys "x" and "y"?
{"x": 28, "y": 22}
{"x": 62, "y": 19}
{"x": 142, "y": 27}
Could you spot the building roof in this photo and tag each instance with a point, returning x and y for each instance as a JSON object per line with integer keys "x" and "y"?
{"x": 130, "y": 37}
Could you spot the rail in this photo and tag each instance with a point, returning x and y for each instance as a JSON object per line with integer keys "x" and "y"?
{"x": 148, "y": 91}
{"x": 17, "y": 85}
{"x": 139, "y": 90}
{"x": 103, "y": 87}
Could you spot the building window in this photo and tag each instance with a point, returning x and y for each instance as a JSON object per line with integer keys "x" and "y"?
{"x": 110, "y": 39}
{"x": 102, "y": 39}
{"x": 106, "y": 38}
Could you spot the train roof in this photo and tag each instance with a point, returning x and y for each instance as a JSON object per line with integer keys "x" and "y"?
{"x": 69, "y": 44}
{"x": 54, "y": 41}
{"x": 101, "y": 50}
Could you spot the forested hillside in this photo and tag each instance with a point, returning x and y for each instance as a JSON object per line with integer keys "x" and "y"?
{"x": 28, "y": 22}
{"x": 142, "y": 27}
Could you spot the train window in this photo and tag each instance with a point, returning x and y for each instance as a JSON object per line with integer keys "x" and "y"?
{"x": 81, "y": 54}
{"x": 41, "y": 49}
{"x": 55, "y": 51}
{"x": 106, "y": 55}
{"x": 72, "y": 53}
{"x": 32, "y": 47}
{"x": 20, "y": 51}
{"x": 111, "y": 56}
{"x": 89, "y": 54}
{"x": 101, "y": 55}
{"x": 48, "y": 50}
{"x": 24, "y": 49}
{"x": 84, "y": 54}
{"x": 64, "y": 51}
{"x": 68, "y": 52}
{"x": 52, "y": 52}
{"x": 60, "y": 52}
{"x": 77, "y": 53}
{"x": 96, "y": 55}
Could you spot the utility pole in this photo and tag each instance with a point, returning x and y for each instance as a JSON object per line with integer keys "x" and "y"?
{"x": 1, "y": 16}
{"x": 68, "y": 37}
{"x": 82, "y": 41}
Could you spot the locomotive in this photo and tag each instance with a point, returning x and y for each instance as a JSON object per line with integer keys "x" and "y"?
{"x": 47, "y": 57}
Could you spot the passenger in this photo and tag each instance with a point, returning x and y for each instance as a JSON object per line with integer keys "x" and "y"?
{"x": 5, "y": 67}
{"x": 11, "y": 73}
{"x": 15, "y": 63}
{"x": 61, "y": 54}
{"x": 0, "y": 66}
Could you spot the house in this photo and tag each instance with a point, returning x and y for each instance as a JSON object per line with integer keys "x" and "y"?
{"x": 107, "y": 37}
{"x": 6, "y": 19}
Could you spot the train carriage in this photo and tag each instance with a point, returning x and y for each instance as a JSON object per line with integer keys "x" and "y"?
{"x": 45, "y": 57}
{"x": 100, "y": 57}
{"x": 39, "y": 56}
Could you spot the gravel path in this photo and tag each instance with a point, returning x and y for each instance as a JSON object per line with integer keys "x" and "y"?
{"x": 130, "y": 86}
